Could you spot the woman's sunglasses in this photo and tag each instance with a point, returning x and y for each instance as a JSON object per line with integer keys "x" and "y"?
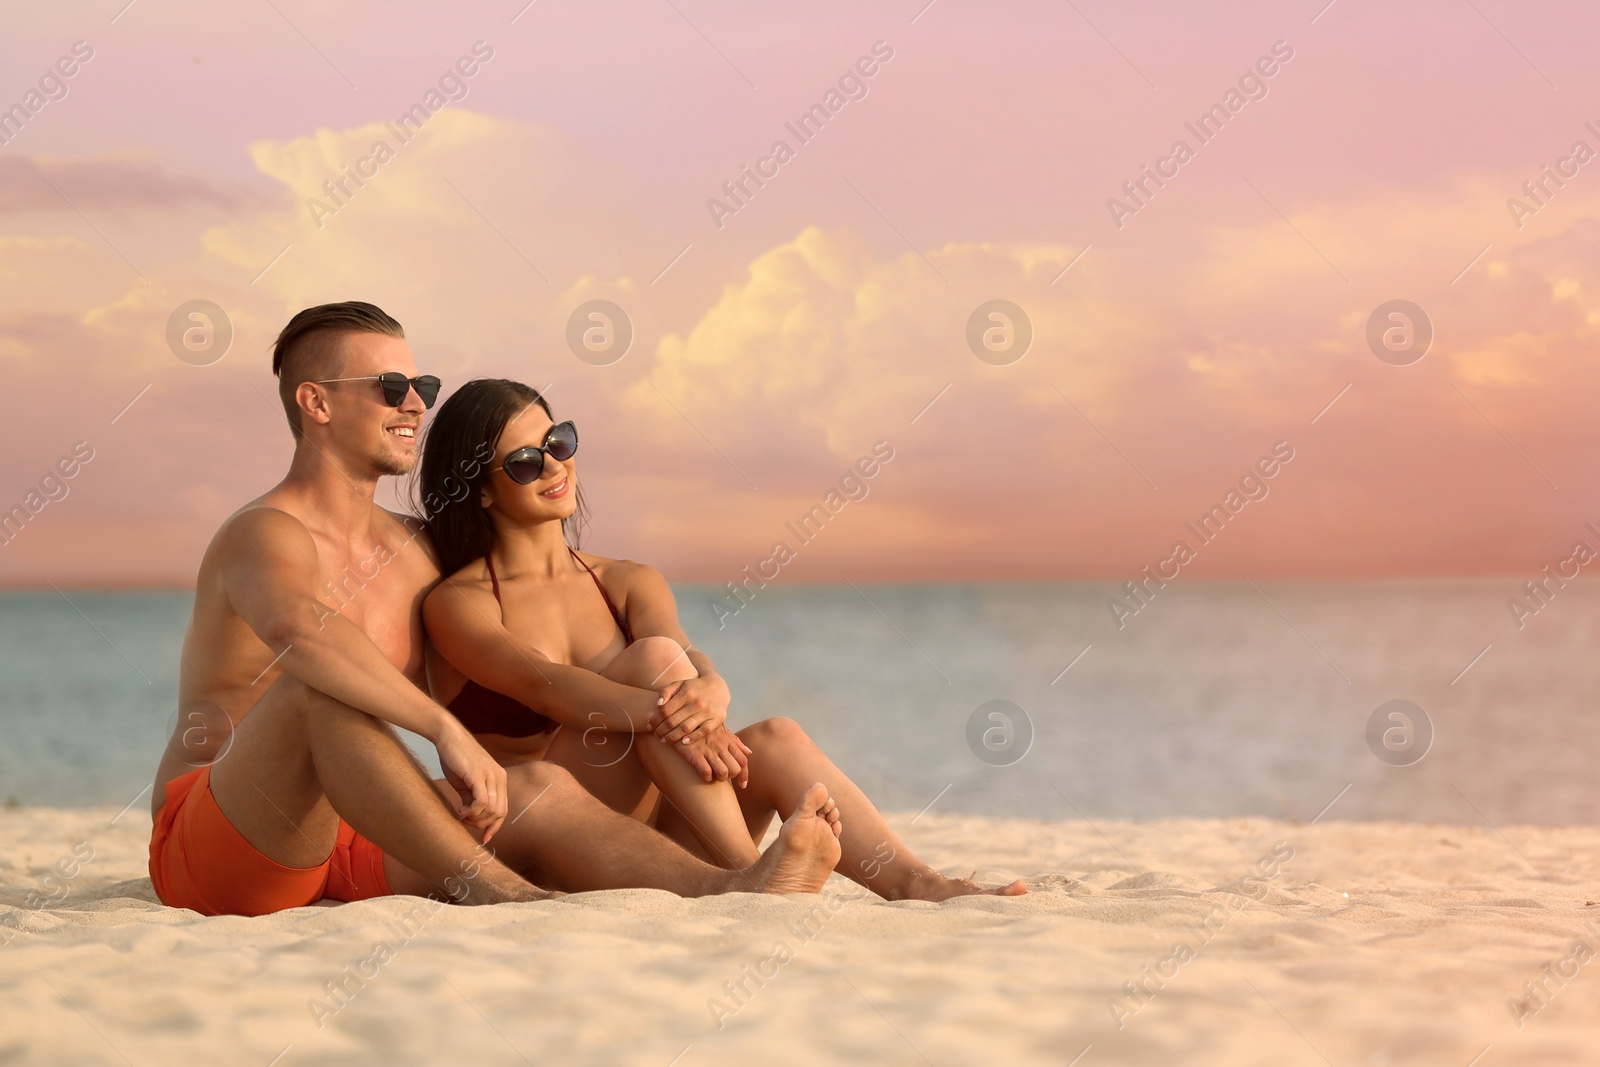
{"x": 397, "y": 385}
{"x": 526, "y": 465}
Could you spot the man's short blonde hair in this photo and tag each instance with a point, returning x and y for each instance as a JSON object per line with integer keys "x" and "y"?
{"x": 306, "y": 350}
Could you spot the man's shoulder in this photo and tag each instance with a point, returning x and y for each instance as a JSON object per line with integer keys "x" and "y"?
{"x": 257, "y": 530}
{"x": 260, "y": 518}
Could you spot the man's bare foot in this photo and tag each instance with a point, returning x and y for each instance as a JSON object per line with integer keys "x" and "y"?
{"x": 805, "y": 852}
{"x": 533, "y": 892}
{"x": 496, "y": 887}
{"x": 494, "y": 894}
{"x": 931, "y": 885}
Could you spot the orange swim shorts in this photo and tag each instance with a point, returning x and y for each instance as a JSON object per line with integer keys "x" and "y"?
{"x": 199, "y": 861}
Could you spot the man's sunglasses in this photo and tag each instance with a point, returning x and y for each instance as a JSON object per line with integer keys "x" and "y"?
{"x": 526, "y": 465}
{"x": 397, "y": 385}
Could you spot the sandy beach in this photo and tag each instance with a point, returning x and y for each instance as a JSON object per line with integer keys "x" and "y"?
{"x": 1241, "y": 941}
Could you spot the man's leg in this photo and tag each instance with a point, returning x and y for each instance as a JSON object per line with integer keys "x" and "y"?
{"x": 578, "y": 844}
{"x": 606, "y": 763}
{"x": 784, "y": 760}
{"x": 300, "y": 760}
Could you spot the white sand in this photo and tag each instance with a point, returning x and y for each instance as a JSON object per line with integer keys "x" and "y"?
{"x": 1376, "y": 944}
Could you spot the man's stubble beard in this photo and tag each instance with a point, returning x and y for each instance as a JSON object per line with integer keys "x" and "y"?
{"x": 387, "y": 463}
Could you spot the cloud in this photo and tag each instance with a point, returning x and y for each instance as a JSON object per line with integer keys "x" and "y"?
{"x": 1178, "y": 370}
{"x": 1179, "y": 366}
{"x": 51, "y": 186}
{"x": 1533, "y": 320}
{"x": 824, "y": 346}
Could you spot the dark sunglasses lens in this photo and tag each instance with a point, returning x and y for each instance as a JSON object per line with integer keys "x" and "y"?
{"x": 524, "y": 468}
{"x": 395, "y": 387}
{"x": 562, "y": 441}
{"x": 428, "y": 389}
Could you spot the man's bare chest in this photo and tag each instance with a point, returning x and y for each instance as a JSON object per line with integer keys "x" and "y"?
{"x": 379, "y": 591}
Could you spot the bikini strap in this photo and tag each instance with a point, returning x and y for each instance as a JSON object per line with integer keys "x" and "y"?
{"x": 622, "y": 624}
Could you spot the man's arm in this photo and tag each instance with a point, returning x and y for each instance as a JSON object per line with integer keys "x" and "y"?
{"x": 269, "y": 569}
{"x": 464, "y": 624}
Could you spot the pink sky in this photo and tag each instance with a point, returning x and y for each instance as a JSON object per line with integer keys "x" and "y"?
{"x": 774, "y": 350}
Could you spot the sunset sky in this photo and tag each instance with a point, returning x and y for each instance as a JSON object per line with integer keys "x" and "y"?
{"x": 776, "y": 340}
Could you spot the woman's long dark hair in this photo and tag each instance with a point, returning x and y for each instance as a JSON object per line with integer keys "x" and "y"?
{"x": 457, "y": 448}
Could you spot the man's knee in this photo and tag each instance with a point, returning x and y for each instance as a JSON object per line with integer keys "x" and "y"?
{"x": 778, "y": 730}
{"x": 526, "y": 782}
{"x": 291, "y": 706}
{"x": 315, "y": 712}
{"x": 289, "y": 694}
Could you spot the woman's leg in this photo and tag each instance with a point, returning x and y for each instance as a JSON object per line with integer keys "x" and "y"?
{"x": 871, "y": 854}
{"x": 692, "y": 808}
{"x": 704, "y": 817}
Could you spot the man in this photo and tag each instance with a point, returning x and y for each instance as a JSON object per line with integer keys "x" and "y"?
{"x": 284, "y": 782}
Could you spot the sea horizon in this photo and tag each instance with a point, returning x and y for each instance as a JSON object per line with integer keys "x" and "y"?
{"x": 1218, "y": 699}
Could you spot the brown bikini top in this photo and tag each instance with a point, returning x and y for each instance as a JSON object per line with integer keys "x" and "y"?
{"x": 484, "y": 711}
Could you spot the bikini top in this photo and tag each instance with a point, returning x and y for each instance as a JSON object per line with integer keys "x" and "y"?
{"x": 484, "y": 711}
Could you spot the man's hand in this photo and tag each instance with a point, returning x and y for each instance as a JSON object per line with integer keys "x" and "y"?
{"x": 718, "y": 756}
{"x": 476, "y": 776}
{"x": 690, "y": 705}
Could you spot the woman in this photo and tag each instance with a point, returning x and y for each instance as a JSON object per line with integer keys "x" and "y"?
{"x": 548, "y": 653}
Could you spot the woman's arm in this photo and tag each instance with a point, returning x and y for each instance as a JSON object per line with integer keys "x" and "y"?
{"x": 463, "y": 622}
{"x": 690, "y": 708}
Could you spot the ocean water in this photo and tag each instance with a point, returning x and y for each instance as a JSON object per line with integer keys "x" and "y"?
{"x": 1216, "y": 700}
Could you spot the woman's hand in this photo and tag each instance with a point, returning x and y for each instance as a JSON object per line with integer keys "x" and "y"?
{"x": 690, "y": 705}
{"x": 719, "y": 756}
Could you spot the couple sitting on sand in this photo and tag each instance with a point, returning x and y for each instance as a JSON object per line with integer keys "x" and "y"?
{"x": 581, "y": 734}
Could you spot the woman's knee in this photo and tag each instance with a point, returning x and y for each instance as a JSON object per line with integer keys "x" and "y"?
{"x": 778, "y": 731}
{"x": 662, "y": 660}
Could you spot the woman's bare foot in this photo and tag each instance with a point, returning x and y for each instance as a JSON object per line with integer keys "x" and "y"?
{"x": 806, "y": 850}
{"x": 931, "y": 885}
